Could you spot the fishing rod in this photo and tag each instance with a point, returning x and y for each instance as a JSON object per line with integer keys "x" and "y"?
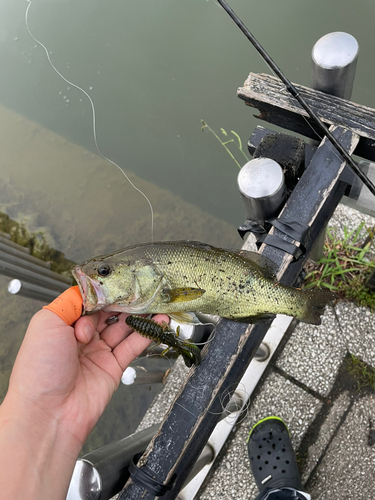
{"x": 294, "y": 92}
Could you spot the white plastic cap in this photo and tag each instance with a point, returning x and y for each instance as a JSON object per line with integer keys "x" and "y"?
{"x": 14, "y": 286}
{"x": 129, "y": 376}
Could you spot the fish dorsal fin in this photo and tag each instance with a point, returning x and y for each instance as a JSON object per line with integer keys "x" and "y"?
{"x": 266, "y": 267}
{"x": 183, "y": 294}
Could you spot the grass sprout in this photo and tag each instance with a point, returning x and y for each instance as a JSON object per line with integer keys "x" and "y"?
{"x": 362, "y": 373}
{"x": 345, "y": 266}
{"x": 234, "y": 140}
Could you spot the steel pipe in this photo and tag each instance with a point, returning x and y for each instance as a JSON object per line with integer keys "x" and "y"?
{"x": 6, "y": 241}
{"x": 17, "y": 252}
{"x": 334, "y": 63}
{"x": 25, "y": 289}
{"x": 262, "y": 186}
{"x": 103, "y": 472}
{"x": 33, "y": 267}
{"x": 13, "y": 271}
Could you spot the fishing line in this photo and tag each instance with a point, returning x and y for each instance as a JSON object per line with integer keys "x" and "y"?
{"x": 211, "y": 336}
{"x": 294, "y": 92}
{"x": 138, "y": 360}
{"x": 240, "y": 410}
{"x": 93, "y": 117}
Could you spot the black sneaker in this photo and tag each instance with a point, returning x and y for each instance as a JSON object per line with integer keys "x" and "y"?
{"x": 272, "y": 458}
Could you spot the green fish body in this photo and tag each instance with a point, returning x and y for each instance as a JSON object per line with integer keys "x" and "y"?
{"x": 181, "y": 276}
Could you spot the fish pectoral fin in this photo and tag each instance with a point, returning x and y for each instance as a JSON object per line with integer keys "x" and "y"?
{"x": 174, "y": 295}
{"x": 182, "y": 317}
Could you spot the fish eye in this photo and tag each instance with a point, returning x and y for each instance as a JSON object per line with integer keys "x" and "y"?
{"x": 104, "y": 269}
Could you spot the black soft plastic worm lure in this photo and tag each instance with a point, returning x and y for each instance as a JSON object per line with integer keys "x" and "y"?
{"x": 164, "y": 334}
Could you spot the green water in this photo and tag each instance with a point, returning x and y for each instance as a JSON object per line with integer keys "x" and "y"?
{"x": 153, "y": 69}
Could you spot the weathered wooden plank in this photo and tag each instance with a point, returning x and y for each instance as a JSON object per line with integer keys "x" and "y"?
{"x": 196, "y": 410}
{"x": 277, "y": 106}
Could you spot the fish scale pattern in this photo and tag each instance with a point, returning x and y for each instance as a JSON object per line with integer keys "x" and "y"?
{"x": 182, "y": 276}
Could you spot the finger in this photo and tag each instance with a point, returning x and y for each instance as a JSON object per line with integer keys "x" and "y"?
{"x": 130, "y": 348}
{"x": 134, "y": 344}
{"x": 161, "y": 318}
{"x": 103, "y": 320}
{"x": 117, "y": 332}
{"x": 86, "y": 327}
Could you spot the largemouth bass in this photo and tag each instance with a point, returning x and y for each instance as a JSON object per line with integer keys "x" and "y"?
{"x": 180, "y": 276}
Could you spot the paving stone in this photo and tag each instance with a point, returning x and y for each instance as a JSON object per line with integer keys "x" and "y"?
{"x": 313, "y": 354}
{"x": 358, "y": 329}
{"x": 348, "y": 467}
{"x": 326, "y": 433}
{"x": 231, "y": 476}
{"x": 350, "y": 219}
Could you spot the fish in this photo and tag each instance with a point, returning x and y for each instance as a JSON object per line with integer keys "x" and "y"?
{"x": 164, "y": 334}
{"x": 176, "y": 277}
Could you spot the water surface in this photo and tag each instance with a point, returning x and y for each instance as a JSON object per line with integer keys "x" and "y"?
{"x": 153, "y": 70}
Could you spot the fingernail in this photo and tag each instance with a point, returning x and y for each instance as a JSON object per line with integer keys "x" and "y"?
{"x": 87, "y": 331}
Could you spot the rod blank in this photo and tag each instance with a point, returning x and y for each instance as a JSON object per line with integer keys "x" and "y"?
{"x": 294, "y": 92}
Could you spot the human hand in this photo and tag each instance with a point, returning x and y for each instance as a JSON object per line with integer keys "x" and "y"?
{"x": 71, "y": 372}
{"x": 63, "y": 378}
{"x": 65, "y": 374}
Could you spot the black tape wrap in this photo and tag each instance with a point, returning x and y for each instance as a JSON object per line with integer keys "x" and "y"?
{"x": 294, "y": 229}
{"x": 144, "y": 479}
{"x": 251, "y": 226}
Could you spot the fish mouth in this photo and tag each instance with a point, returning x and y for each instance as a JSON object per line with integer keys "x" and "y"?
{"x": 92, "y": 294}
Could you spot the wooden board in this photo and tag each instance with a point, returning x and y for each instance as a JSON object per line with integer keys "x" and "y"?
{"x": 277, "y": 106}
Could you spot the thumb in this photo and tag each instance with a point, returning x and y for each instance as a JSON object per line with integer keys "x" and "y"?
{"x": 85, "y": 328}
{"x": 68, "y": 305}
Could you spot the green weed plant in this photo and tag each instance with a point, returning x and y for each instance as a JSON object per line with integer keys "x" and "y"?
{"x": 235, "y": 141}
{"x": 37, "y": 244}
{"x": 362, "y": 373}
{"x": 345, "y": 267}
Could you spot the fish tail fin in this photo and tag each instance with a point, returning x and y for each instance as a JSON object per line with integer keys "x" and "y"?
{"x": 315, "y": 303}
